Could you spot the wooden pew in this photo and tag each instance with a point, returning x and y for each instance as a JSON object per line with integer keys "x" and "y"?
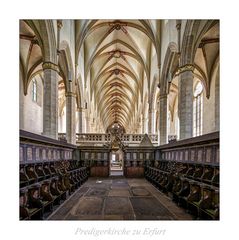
{"x": 24, "y": 179}
{"x": 30, "y": 171}
{"x": 23, "y": 211}
{"x": 34, "y": 202}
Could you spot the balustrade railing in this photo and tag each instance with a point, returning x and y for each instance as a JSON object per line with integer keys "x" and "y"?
{"x": 99, "y": 138}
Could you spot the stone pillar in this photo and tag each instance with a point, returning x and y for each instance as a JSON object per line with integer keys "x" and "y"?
{"x": 50, "y": 100}
{"x": 92, "y": 125}
{"x": 83, "y": 121}
{"x": 80, "y": 118}
{"x": 21, "y": 103}
{"x": 153, "y": 122}
{"x": 178, "y": 26}
{"x": 163, "y": 113}
{"x": 59, "y": 26}
{"x": 185, "y": 102}
{"x": 87, "y": 124}
{"x": 143, "y": 127}
{"x": 150, "y": 119}
{"x": 217, "y": 103}
{"x": 60, "y": 119}
{"x": 70, "y": 117}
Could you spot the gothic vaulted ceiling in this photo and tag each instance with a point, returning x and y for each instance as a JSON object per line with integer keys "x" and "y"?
{"x": 116, "y": 54}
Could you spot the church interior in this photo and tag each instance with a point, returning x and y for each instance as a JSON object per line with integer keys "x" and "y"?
{"x": 119, "y": 119}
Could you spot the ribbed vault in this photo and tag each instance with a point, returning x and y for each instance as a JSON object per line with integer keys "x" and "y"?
{"x": 116, "y": 56}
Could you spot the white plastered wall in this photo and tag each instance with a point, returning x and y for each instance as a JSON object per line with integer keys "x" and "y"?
{"x": 31, "y": 113}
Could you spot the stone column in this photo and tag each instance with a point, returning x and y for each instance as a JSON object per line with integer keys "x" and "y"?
{"x": 50, "y": 100}
{"x": 21, "y": 103}
{"x": 153, "y": 122}
{"x": 83, "y": 121}
{"x": 79, "y": 114}
{"x": 92, "y": 125}
{"x": 87, "y": 124}
{"x": 163, "y": 113}
{"x": 143, "y": 127}
{"x": 185, "y": 102}
{"x": 217, "y": 103}
{"x": 150, "y": 119}
{"x": 70, "y": 117}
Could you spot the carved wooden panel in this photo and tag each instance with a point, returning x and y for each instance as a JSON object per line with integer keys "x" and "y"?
{"x": 49, "y": 154}
{"x": 192, "y": 155}
{"x": 99, "y": 171}
{"x": 29, "y": 154}
{"x": 37, "y": 154}
{"x": 21, "y": 154}
{"x": 189, "y": 150}
{"x": 181, "y": 155}
{"x": 157, "y": 155}
{"x": 58, "y": 155}
{"x": 134, "y": 172}
{"x": 208, "y": 155}
{"x": 200, "y": 155}
{"x": 217, "y": 156}
{"x": 54, "y": 155}
{"x": 43, "y": 154}
{"x": 186, "y": 155}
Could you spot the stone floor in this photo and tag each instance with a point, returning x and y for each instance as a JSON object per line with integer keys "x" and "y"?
{"x": 118, "y": 198}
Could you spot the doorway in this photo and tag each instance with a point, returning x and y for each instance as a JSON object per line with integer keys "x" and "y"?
{"x": 116, "y": 163}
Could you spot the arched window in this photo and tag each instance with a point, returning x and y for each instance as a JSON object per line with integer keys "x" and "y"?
{"x": 177, "y": 124}
{"x": 34, "y": 90}
{"x": 197, "y": 109}
{"x": 169, "y": 123}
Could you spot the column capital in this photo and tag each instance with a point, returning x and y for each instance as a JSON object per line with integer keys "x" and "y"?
{"x": 185, "y": 68}
{"x": 50, "y": 65}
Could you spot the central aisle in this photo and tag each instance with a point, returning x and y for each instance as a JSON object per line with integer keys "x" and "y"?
{"x": 118, "y": 198}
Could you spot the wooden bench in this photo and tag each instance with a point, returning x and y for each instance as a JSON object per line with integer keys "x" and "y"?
{"x": 35, "y": 204}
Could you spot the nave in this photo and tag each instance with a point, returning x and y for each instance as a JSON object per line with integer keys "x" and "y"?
{"x": 135, "y": 98}
{"x": 118, "y": 198}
